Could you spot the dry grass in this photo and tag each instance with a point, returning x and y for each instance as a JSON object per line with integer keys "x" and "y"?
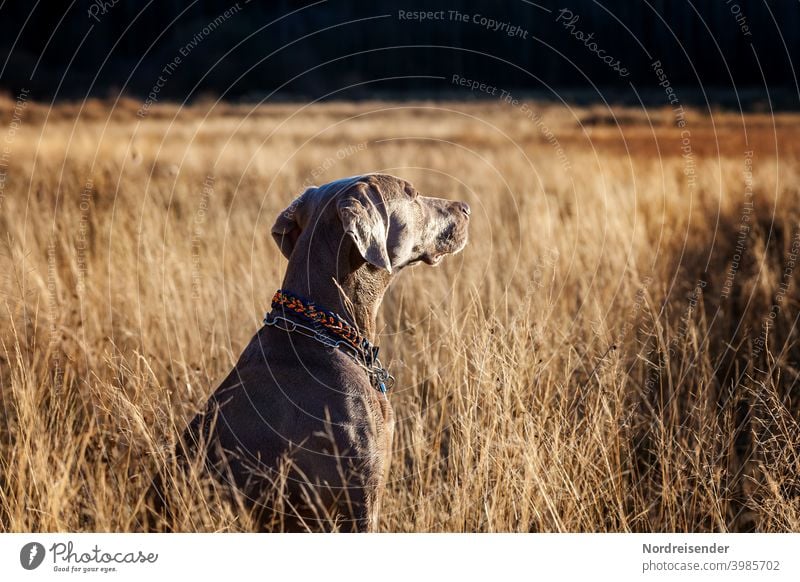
{"x": 577, "y": 368}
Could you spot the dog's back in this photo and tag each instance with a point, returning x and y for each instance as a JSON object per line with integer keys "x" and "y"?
{"x": 289, "y": 429}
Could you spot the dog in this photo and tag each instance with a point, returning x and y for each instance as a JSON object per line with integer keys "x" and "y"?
{"x": 306, "y": 408}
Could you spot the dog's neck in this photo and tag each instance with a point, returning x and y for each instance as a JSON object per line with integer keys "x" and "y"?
{"x": 336, "y": 278}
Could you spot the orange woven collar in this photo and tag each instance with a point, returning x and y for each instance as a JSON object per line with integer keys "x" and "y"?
{"x": 321, "y": 319}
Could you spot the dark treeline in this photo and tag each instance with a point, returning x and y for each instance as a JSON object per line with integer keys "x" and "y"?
{"x": 248, "y": 50}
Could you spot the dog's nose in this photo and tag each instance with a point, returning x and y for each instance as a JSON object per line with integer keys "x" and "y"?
{"x": 463, "y": 207}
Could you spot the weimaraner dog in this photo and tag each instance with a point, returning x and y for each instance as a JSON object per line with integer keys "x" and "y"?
{"x": 306, "y": 405}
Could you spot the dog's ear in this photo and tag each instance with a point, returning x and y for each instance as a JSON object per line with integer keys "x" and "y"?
{"x": 289, "y": 224}
{"x": 361, "y": 211}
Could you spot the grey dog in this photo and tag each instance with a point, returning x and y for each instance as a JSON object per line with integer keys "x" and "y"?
{"x": 302, "y": 408}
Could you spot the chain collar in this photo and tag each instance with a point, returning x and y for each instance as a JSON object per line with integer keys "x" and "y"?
{"x": 329, "y": 329}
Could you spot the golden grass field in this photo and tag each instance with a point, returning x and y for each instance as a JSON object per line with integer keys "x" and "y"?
{"x": 615, "y": 350}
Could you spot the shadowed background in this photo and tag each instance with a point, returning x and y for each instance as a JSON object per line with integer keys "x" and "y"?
{"x": 309, "y": 49}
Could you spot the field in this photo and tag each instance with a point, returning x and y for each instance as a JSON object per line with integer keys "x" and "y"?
{"x": 615, "y": 350}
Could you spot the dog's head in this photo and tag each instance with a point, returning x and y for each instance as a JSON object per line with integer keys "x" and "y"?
{"x": 388, "y": 222}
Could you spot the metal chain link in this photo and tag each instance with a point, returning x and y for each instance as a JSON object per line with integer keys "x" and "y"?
{"x": 379, "y": 376}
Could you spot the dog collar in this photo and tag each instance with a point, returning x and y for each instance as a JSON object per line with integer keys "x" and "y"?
{"x": 327, "y": 328}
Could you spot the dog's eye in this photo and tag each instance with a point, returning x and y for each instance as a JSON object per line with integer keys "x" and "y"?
{"x": 411, "y": 192}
